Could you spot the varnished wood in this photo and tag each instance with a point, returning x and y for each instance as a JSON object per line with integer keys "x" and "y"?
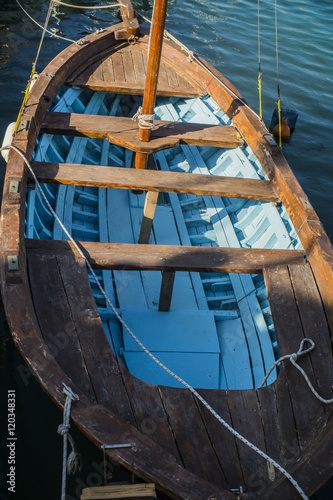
{"x": 173, "y": 258}
{"x": 152, "y": 180}
{"x": 154, "y": 58}
{"x": 124, "y": 131}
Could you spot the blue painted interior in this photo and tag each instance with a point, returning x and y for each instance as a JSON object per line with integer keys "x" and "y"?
{"x": 219, "y": 332}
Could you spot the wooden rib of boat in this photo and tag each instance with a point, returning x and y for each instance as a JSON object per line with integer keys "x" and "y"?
{"x": 232, "y": 270}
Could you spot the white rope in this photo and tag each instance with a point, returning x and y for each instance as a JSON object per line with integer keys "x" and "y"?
{"x": 47, "y": 31}
{"x": 176, "y": 377}
{"x": 72, "y": 463}
{"x": 145, "y": 121}
{"x": 84, "y": 7}
{"x": 192, "y": 57}
{"x": 293, "y": 360}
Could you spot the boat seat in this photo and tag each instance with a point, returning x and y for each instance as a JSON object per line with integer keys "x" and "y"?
{"x": 144, "y": 491}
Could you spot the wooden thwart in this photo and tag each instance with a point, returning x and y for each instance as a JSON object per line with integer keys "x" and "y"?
{"x": 154, "y": 180}
{"x": 124, "y": 132}
{"x": 120, "y": 492}
{"x": 173, "y": 258}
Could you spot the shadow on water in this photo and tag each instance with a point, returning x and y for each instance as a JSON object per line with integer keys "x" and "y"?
{"x": 214, "y": 33}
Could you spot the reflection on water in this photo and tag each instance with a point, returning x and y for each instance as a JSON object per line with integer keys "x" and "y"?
{"x": 225, "y": 33}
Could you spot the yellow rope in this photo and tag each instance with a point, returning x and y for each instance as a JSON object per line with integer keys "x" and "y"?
{"x": 33, "y": 71}
{"x": 277, "y": 74}
{"x": 280, "y": 131}
{"x": 259, "y": 72}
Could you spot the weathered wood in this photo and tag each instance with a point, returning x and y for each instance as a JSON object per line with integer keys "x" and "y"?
{"x": 153, "y": 180}
{"x": 120, "y": 492}
{"x": 148, "y": 216}
{"x": 128, "y": 15}
{"x": 54, "y": 315}
{"x": 124, "y": 132}
{"x": 168, "y": 278}
{"x": 246, "y": 419}
{"x": 134, "y": 88}
{"x": 223, "y": 441}
{"x": 308, "y": 410}
{"x": 194, "y": 445}
{"x": 177, "y": 258}
{"x": 315, "y": 327}
{"x": 149, "y": 412}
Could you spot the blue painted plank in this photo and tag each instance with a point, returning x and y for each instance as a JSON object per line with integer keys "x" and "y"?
{"x": 234, "y": 355}
{"x": 200, "y": 370}
{"x": 174, "y": 331}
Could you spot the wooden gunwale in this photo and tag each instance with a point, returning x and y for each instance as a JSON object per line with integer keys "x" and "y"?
{"x": 173, "y": 479}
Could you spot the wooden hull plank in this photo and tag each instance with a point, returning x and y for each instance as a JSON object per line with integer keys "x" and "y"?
{"x": 246, "y": 419}
{"x": 306, "y": 408}
{"x": 149, "y": 413}
{"x": 130, "y": 75}
{"x": 195, "y": 447}
{"x": 223, "y": 441}
{"x": 315, "y": 327}
{"x": 124, "y": 131}
{"x": 105, "y": 375}
{"x": 153, "y": 180}
{"x": 54, "y": 314}
{"x": 166, "y": 257}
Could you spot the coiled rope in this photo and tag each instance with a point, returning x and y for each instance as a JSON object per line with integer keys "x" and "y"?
{"x": 270, "y": 460}
{"x": 145, "y": 121}
{"x": 73, "y": 462}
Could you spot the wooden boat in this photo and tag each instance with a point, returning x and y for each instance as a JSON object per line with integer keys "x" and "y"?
{"x": 235, "y": 272}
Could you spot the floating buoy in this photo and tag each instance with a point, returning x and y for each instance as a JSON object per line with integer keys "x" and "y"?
{"x": 7, "y": 140}
{"x": 285, "y": 129}
{"x": 288, "y": 123}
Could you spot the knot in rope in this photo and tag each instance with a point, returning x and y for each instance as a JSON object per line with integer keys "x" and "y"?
{"x": 145, "y": 121}
{"x": 63, "y": 429}
{"x": 72, "y": 463}
{"x": 300, "y": 352}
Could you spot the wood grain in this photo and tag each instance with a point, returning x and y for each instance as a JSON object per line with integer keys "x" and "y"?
{"x": 153, "y": 180}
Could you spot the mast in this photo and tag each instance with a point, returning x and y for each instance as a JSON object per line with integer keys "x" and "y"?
{"x": 154, "y": 58}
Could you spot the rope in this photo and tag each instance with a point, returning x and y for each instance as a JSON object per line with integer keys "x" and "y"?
{"x": 259, "y": 57}
{"x": 176, "y": 377}
{"x": 192, "y": 57}
{"x": 84, "y": 7}
{"x": 33, "y": 71}
{"x": 72, "y": 463}
{"x": 293, "y": 360}
{"x": 277, "y": 74}
{"x": 145, "y": 121}
{"x": 47, "y": 31}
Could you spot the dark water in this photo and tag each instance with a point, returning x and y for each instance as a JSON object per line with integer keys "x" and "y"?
{"x": 225, "y": 33}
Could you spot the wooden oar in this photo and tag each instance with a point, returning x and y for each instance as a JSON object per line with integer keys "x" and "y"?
{"x": 154, "y": 57}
